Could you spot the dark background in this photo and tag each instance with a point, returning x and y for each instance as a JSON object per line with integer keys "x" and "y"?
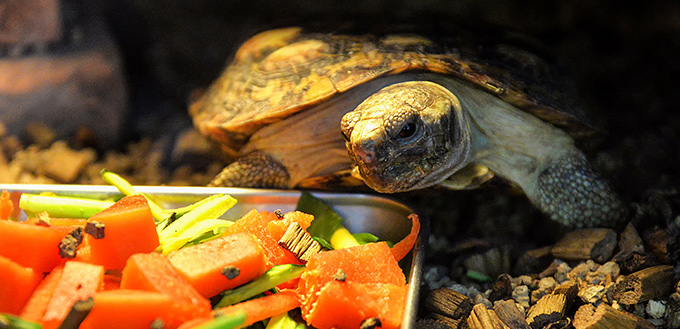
{"x": 624, "y": 60}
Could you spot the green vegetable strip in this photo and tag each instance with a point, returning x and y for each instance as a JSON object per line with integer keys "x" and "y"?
{"x": 60, "y": 206}
{"x": 227, "y": 321}
{"x": 195, "y": 232}
{"x": 15, "y": 322}
{"x": 183, "y": 210}
{"x": 213, "y": 208}
{"x": 282, "y": 321}
{"x": 275, "y": 276}
{"x": 179, "y": 212}
{"x": 126, "y": 188}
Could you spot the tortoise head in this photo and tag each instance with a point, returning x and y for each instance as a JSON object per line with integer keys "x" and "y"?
{"x": 407, "y": 136}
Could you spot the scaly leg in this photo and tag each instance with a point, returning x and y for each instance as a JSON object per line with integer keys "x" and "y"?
{"x": 255, "y": 169}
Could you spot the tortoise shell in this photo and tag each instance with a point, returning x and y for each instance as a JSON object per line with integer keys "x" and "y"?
{"x": 278, "y": 73}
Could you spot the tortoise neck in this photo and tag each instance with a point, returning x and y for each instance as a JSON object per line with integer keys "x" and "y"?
{"x": 508, "y": 140}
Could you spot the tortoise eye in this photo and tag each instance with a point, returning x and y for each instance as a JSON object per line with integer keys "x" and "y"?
{"x": 408, "y": 130}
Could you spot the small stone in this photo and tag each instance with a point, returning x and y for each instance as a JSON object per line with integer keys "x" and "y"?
{"x": 472, "y": 292}
{"x": 579, "y": 272}
{"x": 459, "y": 288}
{"x": 656, "y": 309}
{"x": 609, "y": 269}
{"x": 562, "y": 273}
{"x": 480, "y": 299}
{"x": 521, "y": 296}
{"x": 592, "y": 266}
{"x": 547, "y": 283}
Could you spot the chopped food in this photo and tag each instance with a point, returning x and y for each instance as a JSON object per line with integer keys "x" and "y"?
{"x": 129, "y": 229}
{"x": 154, "y": 272}
{"x": 202, "y": 264}
{"x": 16, "y": 285}
{"x": 124, "y": 267}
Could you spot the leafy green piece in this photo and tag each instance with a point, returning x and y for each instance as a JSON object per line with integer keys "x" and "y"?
{"x": 61, "y": 206}
{"x": 225, "y": 321}
{"x": 15, "y": 322}
{"x": 323, "y": 243}
{"x": 203, "y": 230}
{"x": 275, "y": 276}
{"x": 477, "y": 276}
{"x": 326, "y": 220}
{"x": 327, "y": 224}
{"x": 364, "y": 238}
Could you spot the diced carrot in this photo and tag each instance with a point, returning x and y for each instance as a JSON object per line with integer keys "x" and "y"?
{"x": 16, "y": 285}
{"x": 74, "y": 222}
{"x": 6, "y": 206}
{"x": 136, "y": 309}
{"x": 31, "y": 245}
{"x": 154, "y": 272}
{"x": 84, "y": 252}
{"x": 129, "y": 228}
{"x": 401, "y": 249}
{"x": 367, "y": 263}
{"x": 34, "y": 310}
{"x": 265, "y": 307}
{"x": 253, "y": 223}
{"x": 344, "y": 305}
{"x": 202, "y": 264}
{"x": 195, "y": 322}
{"x": 78, "y": 281}
{"x": 111, "y": 281}
{"x": 278, "y": 226}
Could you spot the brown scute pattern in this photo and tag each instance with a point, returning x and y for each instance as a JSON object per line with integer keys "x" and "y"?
{"x": 276, "y": 76}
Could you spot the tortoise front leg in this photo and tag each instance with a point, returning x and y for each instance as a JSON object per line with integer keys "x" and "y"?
{"x": 255, "y": 169}
{"x": 570, "y": 192}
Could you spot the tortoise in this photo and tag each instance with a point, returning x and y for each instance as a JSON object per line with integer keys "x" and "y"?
{"x": 400, "y": 112}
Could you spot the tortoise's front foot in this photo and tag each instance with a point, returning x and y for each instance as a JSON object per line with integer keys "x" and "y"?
{"x": 255, "y": 169}
{"x": 576, "y": 196}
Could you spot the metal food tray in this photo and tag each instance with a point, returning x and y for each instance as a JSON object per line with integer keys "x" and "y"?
{"x": 374, "y": 214}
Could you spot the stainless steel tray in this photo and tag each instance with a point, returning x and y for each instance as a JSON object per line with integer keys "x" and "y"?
{"x": 378, "y": 215}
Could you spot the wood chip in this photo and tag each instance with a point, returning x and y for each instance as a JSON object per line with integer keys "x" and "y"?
{"x": 549, "y": 309}
{"x": 299, "y": 242}
{"x": 77, "y": 314}
{"x": 448, "y": 322}
{"x": 604, "y": 316}
{"x": 370, "y": 323}
{"x": 96, "y": 229}
{"x": 483, "y": 318}
{"x": 507, "y": 311}
{"x": 68, "y": 246}
{"x": 594, "y": 243}
{"x": 646, "y": 284}
{"x": 448, "y": 303}
{"x": 502, "y": 288}
{"x": 231, "y": 272}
